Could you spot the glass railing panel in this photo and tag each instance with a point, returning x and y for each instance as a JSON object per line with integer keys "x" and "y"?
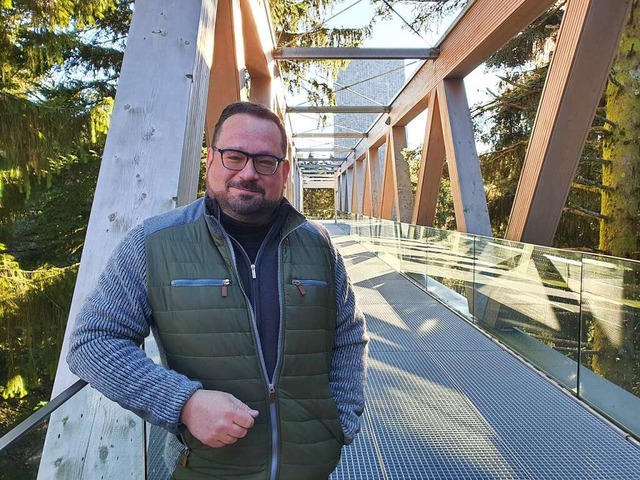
{"x": 21, "y": 460}
{"x": 611, "y": 330}
{"x": 529, "y": 297}
{"x": 450, "y": 268}
{"x": 413, "y": 253}
{"x": 386, "y": 242}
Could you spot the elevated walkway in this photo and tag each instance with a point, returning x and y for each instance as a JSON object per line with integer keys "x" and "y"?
{"x": 444, "y": 401}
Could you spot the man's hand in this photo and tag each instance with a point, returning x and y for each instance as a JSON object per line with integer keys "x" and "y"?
{"x": 217, "y": 418}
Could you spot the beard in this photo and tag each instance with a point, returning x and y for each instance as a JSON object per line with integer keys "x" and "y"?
{"x": 248, "y": 208}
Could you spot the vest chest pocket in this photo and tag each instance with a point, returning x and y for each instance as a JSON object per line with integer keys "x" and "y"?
{"x": 198, "y": 293}
{"x": 303, "y": 285}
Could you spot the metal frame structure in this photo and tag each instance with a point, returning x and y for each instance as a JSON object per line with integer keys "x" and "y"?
{"x": 186, "y": 60}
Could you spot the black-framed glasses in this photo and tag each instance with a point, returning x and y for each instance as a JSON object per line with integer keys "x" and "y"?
{"x": 237, "y": 160}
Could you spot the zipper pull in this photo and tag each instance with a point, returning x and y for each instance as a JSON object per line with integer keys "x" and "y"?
{"x": 224, "y": 291}
{"x": 185, "y": 458}
{"x": 253, "y": 271}
{"x": 272, "y": 394}
{"x": 301, "y": 289}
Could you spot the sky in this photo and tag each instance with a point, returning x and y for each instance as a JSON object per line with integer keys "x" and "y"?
{"x": 392, "y": 33}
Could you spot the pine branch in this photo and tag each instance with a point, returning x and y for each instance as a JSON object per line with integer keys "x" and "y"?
{"x": 589, "y": 185}
{"x": 583, "y": 212}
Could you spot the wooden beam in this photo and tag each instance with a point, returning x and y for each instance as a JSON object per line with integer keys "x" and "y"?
{"x": 151, "y": 163}
{"x": 431, "y": 162}
{"x": 375, "y": 177}
{"x": 485, "y": 27}
{"x": 469, "y": 201}
{"x": 258, "y": 34}
{"x": 586, "y": 46}
{"x": 317, "y": 53}
{"x": 396, "y": 185}
{"x": 367, "y": 204}
{"x": 403, "y": 193}
{"x": 227, "y": 71}
{"x": 360, "y": 178}
{"x": 353, "y": 207}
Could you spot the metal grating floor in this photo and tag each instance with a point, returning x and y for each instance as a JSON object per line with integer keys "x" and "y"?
{"x": 445, "y": 402}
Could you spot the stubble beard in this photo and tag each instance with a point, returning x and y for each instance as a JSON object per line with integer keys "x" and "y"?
{"x": 245, "y": 207}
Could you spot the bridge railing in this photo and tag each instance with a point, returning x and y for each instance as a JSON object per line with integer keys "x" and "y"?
{"x": 574, "y": 316}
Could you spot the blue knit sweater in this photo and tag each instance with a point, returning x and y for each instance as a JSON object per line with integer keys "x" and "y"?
{"x": 116, "y": 317}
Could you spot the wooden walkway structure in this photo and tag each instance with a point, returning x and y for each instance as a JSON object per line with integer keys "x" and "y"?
{"x": 185, "y": 60}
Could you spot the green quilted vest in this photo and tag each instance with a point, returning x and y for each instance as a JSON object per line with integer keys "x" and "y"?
{"x": 207, "y": 332}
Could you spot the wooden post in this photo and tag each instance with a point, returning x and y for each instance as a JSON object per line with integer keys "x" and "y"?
{"x": 470, "y": 203}
{"x": 396, "y": 184}
{"x": 375, "y": 180}
{"x": 431, "y": 162}
{"x": 151, "y": 163}
{"x": 227, "y": 72}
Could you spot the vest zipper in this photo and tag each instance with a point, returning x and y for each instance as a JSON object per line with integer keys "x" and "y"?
{"x": 273, "y": 413}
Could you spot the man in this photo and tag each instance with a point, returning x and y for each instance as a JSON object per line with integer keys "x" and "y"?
{"x": 263, "y": 345}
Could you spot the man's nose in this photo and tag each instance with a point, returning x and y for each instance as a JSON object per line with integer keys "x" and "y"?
{"x": 249, "y": 170}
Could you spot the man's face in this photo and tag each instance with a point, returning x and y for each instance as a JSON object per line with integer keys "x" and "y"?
{"x": 246, "y": 195}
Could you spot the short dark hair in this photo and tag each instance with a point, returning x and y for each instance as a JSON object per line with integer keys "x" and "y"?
{"x": 249, "y": 108}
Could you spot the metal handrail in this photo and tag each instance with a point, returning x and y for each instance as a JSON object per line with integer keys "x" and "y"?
{"x": 40, "y": 416}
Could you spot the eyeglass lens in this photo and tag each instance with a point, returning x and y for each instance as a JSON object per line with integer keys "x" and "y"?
{"x": 263, "y": 164}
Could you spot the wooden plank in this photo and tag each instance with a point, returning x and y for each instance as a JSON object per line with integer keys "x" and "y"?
{"x": 402, "y": 183}
{"x": 346, "y": 53}
{"x": 485, "y": 27}
{"x": 150, "y": 164}
{"x": 360, "y": 179}
{"x": 396, "y": 184}
{"x": 470, "y": 203}
{"x": 227, "y": 71}
{"x": 431, "y": 162}
{"x": 586, "y": 46}
{"x": 349, "y": 189}
{"x": 353, "y": 205}
{"x": 387, "y": 196}
{"x": 367, "y": 203}
{"x": 375, "y": 177}
{"x": 259, "y": 37}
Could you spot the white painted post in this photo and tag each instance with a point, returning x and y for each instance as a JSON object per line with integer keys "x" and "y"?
{"x": 150, "y": 164}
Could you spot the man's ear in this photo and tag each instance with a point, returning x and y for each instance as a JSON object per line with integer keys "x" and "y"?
{"x": 286, "y": 166}
{"x": 209, "y": 158}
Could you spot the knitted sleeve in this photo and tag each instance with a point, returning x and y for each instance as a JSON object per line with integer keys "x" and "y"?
{"x": 348, "y": 369}
{"x": 105, "y": 343}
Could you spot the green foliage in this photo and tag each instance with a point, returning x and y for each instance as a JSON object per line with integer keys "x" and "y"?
{"x": 16, "y": 387}
{"x": 58, "y": 62}
{"x": 319, "y": 203}
{"x": 445, "y": 216}
{"x": 302, "y": 24}
{"x": 34, "y": 306}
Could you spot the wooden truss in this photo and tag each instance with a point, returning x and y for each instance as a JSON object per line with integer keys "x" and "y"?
{"x": 586, "y": 45}
{"x": 186, "y": 60}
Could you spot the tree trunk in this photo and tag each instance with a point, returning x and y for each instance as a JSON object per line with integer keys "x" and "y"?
{"x": 620, "y": 201}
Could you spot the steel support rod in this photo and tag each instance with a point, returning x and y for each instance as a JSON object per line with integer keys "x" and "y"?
{"x": 340, "y": 109}
{"x": 293, "y": 53}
